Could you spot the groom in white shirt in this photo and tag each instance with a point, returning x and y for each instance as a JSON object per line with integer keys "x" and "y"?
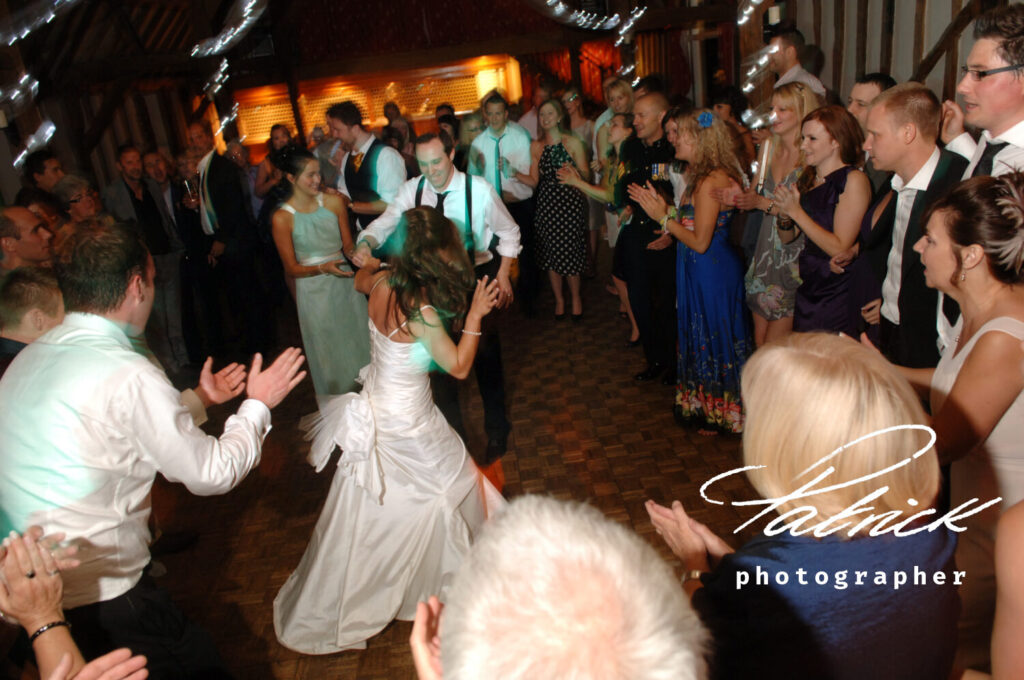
{"x": 87, "y": 422}
{"x": 481, "y": 217}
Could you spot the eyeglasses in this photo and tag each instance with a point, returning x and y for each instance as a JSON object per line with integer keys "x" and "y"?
{"x": 76, "y": 199}
{"x": 978, "y": 74}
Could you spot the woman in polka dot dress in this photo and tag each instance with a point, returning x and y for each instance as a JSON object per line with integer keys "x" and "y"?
{"x": 561, "y": 219}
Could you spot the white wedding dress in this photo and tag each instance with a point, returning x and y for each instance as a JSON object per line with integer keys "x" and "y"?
{"x": 403, "y": 509}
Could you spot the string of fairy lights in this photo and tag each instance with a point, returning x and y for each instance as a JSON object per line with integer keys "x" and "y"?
{"x": 559, "y": 11}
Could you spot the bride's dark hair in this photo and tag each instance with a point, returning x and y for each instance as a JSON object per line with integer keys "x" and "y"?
{"x": 432, "y": 267}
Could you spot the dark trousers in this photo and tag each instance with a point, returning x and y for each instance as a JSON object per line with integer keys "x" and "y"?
{"x": 651, "y": 282}
{"x": 529, "y": 275}
{"x": 247, "y": 300}
{"x": 201, "y": 323}
{"x": 146, "y": 621}
{"x": 490, "y": 378}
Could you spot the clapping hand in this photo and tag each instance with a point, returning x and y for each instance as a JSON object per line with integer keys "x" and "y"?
{"x": 425, "y": 641}
{"x": 117, "y": 665}
{"x": 734, "y": 195}
{"x": 787, "y": 199}
{"x": 648, "y": 198}
{"x": 62, "y": 554}
{"x": 31, "y": 590}
{"x": 694, "y": 544}
{"x": 219, "y": 387}
{"x": 272, "y": 385}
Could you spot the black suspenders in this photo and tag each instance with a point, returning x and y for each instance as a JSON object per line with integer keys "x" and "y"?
{"x": 469, "y": 239}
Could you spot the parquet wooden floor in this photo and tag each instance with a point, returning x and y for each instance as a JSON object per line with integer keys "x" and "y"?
{"x": 582, "y": 429}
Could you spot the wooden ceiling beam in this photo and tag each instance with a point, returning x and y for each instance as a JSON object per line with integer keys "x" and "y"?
{"x": 125, "y": 20}
{"x": 112, "y": 100}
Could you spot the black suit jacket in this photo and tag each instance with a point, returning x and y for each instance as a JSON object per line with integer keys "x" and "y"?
{"x": 234, "y": 222}
{"x": 913, "y": 342}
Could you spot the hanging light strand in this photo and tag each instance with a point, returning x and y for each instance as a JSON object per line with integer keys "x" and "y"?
{"x": 243, "y": 16}
{"x": 228, "y": 119}
{"x": 216, "y": 82}
{"x": 22, "y": 23}
{"x": 591, "y": 21}
{"x": 36, "y": 141}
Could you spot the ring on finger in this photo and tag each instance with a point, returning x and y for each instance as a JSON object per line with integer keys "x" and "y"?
{"x": 30, "y": 574}
{"x": 53, "y": 572}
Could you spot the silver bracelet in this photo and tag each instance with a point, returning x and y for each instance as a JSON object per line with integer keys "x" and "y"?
{"x": 471, "y": 332}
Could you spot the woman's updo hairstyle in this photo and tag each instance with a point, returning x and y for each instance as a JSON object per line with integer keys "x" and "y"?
{"x": 988, "y": 211}
{"x": 291, "y": 159}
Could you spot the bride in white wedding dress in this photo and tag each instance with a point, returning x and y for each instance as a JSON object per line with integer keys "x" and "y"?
{"x": 406, "y": 500}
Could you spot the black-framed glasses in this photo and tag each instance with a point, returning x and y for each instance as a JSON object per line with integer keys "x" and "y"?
{"x": 978, "y": 74}
{"x": 76, "y": 199}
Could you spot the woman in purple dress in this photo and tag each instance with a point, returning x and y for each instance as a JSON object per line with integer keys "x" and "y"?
{"x": 827, "y": 205}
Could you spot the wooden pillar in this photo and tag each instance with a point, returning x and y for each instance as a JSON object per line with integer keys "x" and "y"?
{"x": 952, "y": 58}
{"x": 839, "y": 48}
{"x": 576, "y": 77}
{"x": 888, "y": 21}
{"x": 293, "y": 98}
{"x": 860, "y": 67}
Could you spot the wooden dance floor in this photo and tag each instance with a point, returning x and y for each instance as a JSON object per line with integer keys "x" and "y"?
{"x": 582, "y": 429}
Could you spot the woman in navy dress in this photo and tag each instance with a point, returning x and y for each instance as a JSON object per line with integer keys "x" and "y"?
{"x": 827, "y": 205}
{"x": 714, "y": 331}
{"x": 798, "y": 600}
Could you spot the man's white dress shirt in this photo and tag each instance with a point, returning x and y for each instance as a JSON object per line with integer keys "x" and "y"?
{"x": 389, "y": 171}
{"x": 798, "y": 74}
{"x": 86, "y": 423}
{"x": 514, "y": 146}
{"x": 205, "y": 209}
{"x": 1009, "y": 158}
{"x": 490, "y": 217}
{"x": 906, "y": 194}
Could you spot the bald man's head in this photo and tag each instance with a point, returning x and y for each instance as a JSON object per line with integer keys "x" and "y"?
{"x": 647, "y": 114}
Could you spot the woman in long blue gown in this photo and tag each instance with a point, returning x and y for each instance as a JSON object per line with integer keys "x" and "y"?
{"x": 714, "y": 329}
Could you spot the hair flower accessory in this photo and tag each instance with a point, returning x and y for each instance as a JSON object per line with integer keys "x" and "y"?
{"x": 704, "y": 120}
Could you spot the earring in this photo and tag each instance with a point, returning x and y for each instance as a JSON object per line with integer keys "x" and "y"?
{"x": 963, "y": 276}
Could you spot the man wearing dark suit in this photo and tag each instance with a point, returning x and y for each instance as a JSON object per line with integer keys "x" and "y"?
{"x": 200, "y": 324}
{"x": 903, "y": 124}
{"x": 226, "y": 218}
{"x": 136, "y": 199}
{"x": 863, "y": 92}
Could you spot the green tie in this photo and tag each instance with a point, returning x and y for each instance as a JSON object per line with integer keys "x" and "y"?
{"x": 497, "y": 165}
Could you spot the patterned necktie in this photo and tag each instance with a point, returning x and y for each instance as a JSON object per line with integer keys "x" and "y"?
{"x": 497, "y": 164}
{"x": 988, "y": 157}
{"x": 357, "y": 161}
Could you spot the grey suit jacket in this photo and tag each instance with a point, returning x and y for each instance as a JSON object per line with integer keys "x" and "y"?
{"x": 118, "y": 203}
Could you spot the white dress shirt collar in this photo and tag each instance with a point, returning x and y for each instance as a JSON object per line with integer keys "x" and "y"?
{"x": 1015, "y": 135}
{"x": 922, "y": 178}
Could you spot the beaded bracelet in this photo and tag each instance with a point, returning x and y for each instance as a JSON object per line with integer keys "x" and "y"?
{"x": 471, "y": 332}
{"x": 43, "y": 629}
